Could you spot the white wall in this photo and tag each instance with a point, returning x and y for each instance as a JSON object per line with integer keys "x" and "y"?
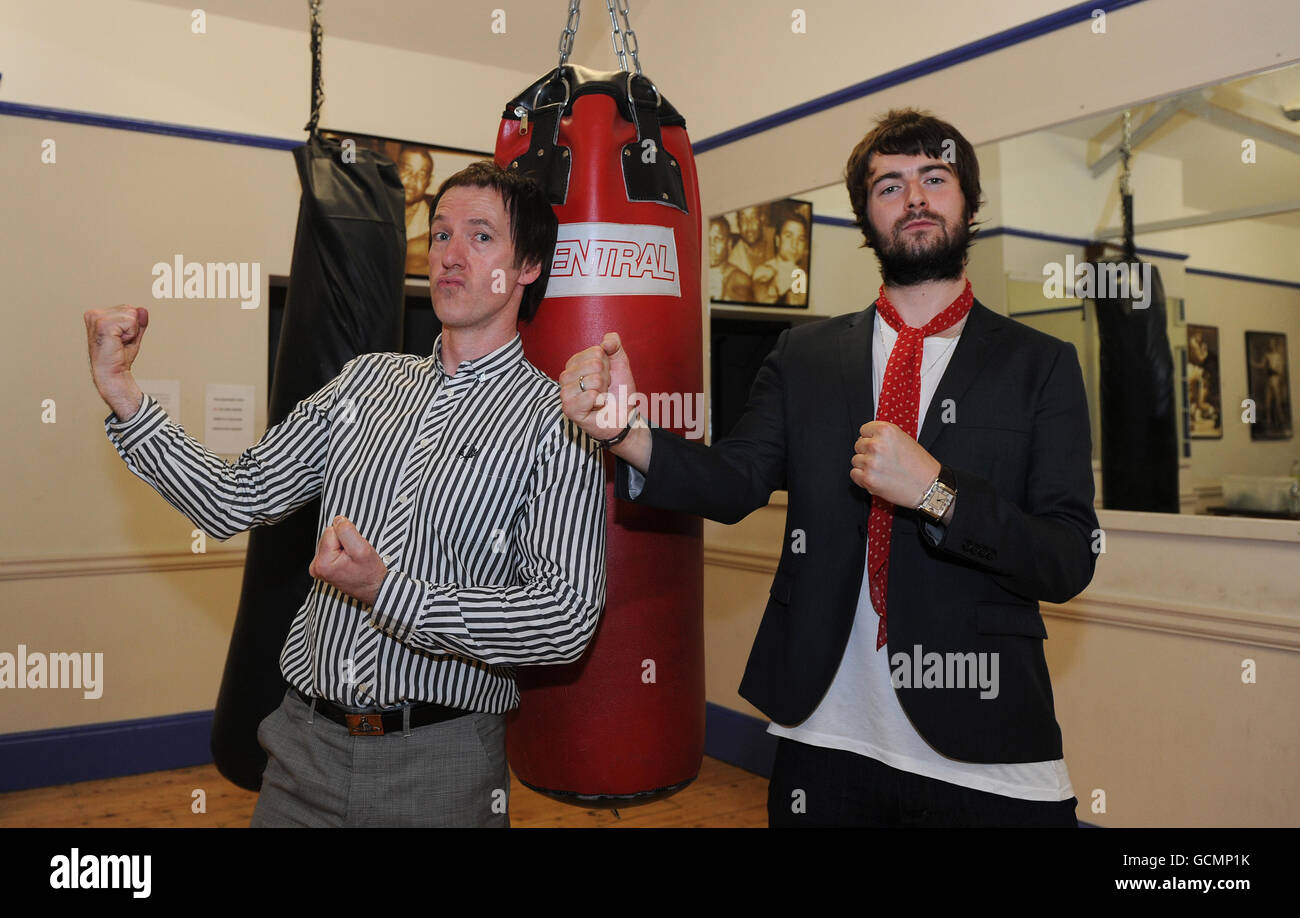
{"x": 141, "y": 60}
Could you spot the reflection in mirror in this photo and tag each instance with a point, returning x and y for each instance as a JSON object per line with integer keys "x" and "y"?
{"x": 1215, "y": 184}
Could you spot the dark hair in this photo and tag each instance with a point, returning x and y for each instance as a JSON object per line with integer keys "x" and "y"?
{"x": 792, "y": 216}
{"x": 722, "y": 222}
{"x": 909, "y": 132}
{"x": 533, "y": 226}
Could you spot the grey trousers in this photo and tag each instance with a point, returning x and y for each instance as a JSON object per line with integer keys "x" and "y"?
{"x": 440, "y": 775}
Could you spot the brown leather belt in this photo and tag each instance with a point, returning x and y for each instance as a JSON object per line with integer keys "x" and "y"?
{"x": 379, "y": 723}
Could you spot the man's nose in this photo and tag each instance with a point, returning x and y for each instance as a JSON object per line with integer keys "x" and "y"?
{"x": 453, "y": 253}
{"x": 915, "y": 195}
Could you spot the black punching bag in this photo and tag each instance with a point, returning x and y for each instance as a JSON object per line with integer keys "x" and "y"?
{"x": 345, "y": 298}
{"x": 1139, "y": 438}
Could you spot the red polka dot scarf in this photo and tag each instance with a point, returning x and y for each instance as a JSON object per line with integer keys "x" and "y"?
{"x": 900, "y": 402}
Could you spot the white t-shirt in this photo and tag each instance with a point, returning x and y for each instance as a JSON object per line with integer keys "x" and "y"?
{"x": 861, "y": 712}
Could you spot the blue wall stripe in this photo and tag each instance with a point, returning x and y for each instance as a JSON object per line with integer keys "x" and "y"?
{"x": 62, "y": 755}
{"x": 41, "y": 758}
{"x": 835, "y": 221}
{"x": 1081, "y": 243}
{"x": 1044, "y": 312}
{"x": 1250, "y": 278}
{"x": 738, "y": 739}
{"x": 1022, "y": 234}
{"x": 1072, "y": 240}
{"x": 149, "y": 127}
{"x": 1080, "y": 12}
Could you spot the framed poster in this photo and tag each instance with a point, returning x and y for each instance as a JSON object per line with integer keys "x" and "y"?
{"x": 422, "y": 168}
{"x": 1204, "y": 401}
{"x": 1269, "y": 384}
{"x": 759, "y": 255}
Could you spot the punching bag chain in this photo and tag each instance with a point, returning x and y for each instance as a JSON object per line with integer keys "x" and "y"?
{"x": 317, "y": 93}
{"x": 624, "y": 38}
{"x": 1125, "y": 188}
{"x": 621, "y": 35}
{"x": 570, "y": 30}
{"x": 1125, "y": 152}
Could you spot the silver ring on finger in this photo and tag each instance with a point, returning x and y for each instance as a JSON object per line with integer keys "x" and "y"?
{"x": 582, "y": 387}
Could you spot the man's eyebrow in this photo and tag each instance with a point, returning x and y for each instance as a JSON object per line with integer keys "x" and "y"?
{"x": 928, "y": 167}
{"x": 475, "y": 221}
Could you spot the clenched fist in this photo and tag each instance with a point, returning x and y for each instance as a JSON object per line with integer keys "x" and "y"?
{"x": 597, "y": 391}
{"x": 347, "y": 562}
{"x": 113, "y": 337}
{"x": 891, "y": 465}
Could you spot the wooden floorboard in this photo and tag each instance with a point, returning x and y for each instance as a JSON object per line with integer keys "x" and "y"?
{"x": 722, "y": 796}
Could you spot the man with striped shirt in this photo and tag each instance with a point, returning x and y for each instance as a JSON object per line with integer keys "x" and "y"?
{"x": 462, "y": 521}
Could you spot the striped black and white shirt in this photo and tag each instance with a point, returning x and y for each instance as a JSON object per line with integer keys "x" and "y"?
{"x": 486, "y": 505}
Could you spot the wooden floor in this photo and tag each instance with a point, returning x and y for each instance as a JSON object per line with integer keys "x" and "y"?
{"x": 722, "y": 795}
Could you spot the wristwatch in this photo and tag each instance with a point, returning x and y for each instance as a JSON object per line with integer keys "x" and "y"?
{"x": 939, "y": 496}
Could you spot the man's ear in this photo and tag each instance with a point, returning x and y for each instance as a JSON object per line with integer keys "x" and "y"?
{"x": 530, "y": 272}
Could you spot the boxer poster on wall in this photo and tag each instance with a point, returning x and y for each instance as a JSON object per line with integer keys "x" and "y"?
{"x": 1269, "y": 385}
{"x": 422, "y": 169}
{"x": 759, "y": 255}
{"x": 1204, "y": 405}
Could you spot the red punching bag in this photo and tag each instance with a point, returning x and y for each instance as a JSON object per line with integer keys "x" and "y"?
{"x": 626, "y": 722}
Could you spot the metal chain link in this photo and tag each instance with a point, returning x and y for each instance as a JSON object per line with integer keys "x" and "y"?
{"x": 621, "y": 35}
{"x": 317, "y": 92}
{"x": 570, "y": 30}
{"x": 616, "y": 35}
{"x": 624, "y": 38}
{"x": 1126, "y": 151}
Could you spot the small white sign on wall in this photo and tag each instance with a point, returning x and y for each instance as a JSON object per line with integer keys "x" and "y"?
{"x": 229, "y": 418}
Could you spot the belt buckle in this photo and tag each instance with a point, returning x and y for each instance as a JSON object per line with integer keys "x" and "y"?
{"x": 365, "y": 724}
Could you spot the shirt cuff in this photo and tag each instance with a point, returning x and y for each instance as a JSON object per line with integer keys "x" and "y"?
{"x": 635, "y": 482}
{"x": 936, "y": 531}
{"x": 403, "y": 604}
{"x": 128, "y": 434}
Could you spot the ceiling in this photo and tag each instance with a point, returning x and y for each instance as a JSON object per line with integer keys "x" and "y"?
{"x": 722, "y": 63}
{"x": 459, "y": 30}
{"x": 1214, "y": 176}
{"x": 462, "y": 30}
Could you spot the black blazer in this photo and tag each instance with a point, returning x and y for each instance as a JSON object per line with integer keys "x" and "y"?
{"x": 1022, "y": 528}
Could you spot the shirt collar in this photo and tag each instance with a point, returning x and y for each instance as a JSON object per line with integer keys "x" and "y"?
{"x": 481, "y": 368}
{"x": 888, "y": 334}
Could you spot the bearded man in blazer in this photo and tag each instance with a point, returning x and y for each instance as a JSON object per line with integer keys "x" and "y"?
{"x": 938, "y": 461}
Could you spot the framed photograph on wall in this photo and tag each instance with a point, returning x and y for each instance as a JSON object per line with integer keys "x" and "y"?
{"x": 759, "y": 255}
{"x": 1204, "y": 401}
{"x": 422, "y": 168}
{"x": 1269, "y": 385}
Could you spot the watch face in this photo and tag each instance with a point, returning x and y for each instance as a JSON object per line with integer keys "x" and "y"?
{"x": 937, "y": 504}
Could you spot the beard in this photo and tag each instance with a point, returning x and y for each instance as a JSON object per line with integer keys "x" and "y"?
{"x": 904, "y": 262}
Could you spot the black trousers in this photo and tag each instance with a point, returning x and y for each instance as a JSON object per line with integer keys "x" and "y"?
{"x": 816, "y": 787}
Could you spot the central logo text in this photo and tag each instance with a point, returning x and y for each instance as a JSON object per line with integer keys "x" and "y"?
{"x": 614, "y": 259}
